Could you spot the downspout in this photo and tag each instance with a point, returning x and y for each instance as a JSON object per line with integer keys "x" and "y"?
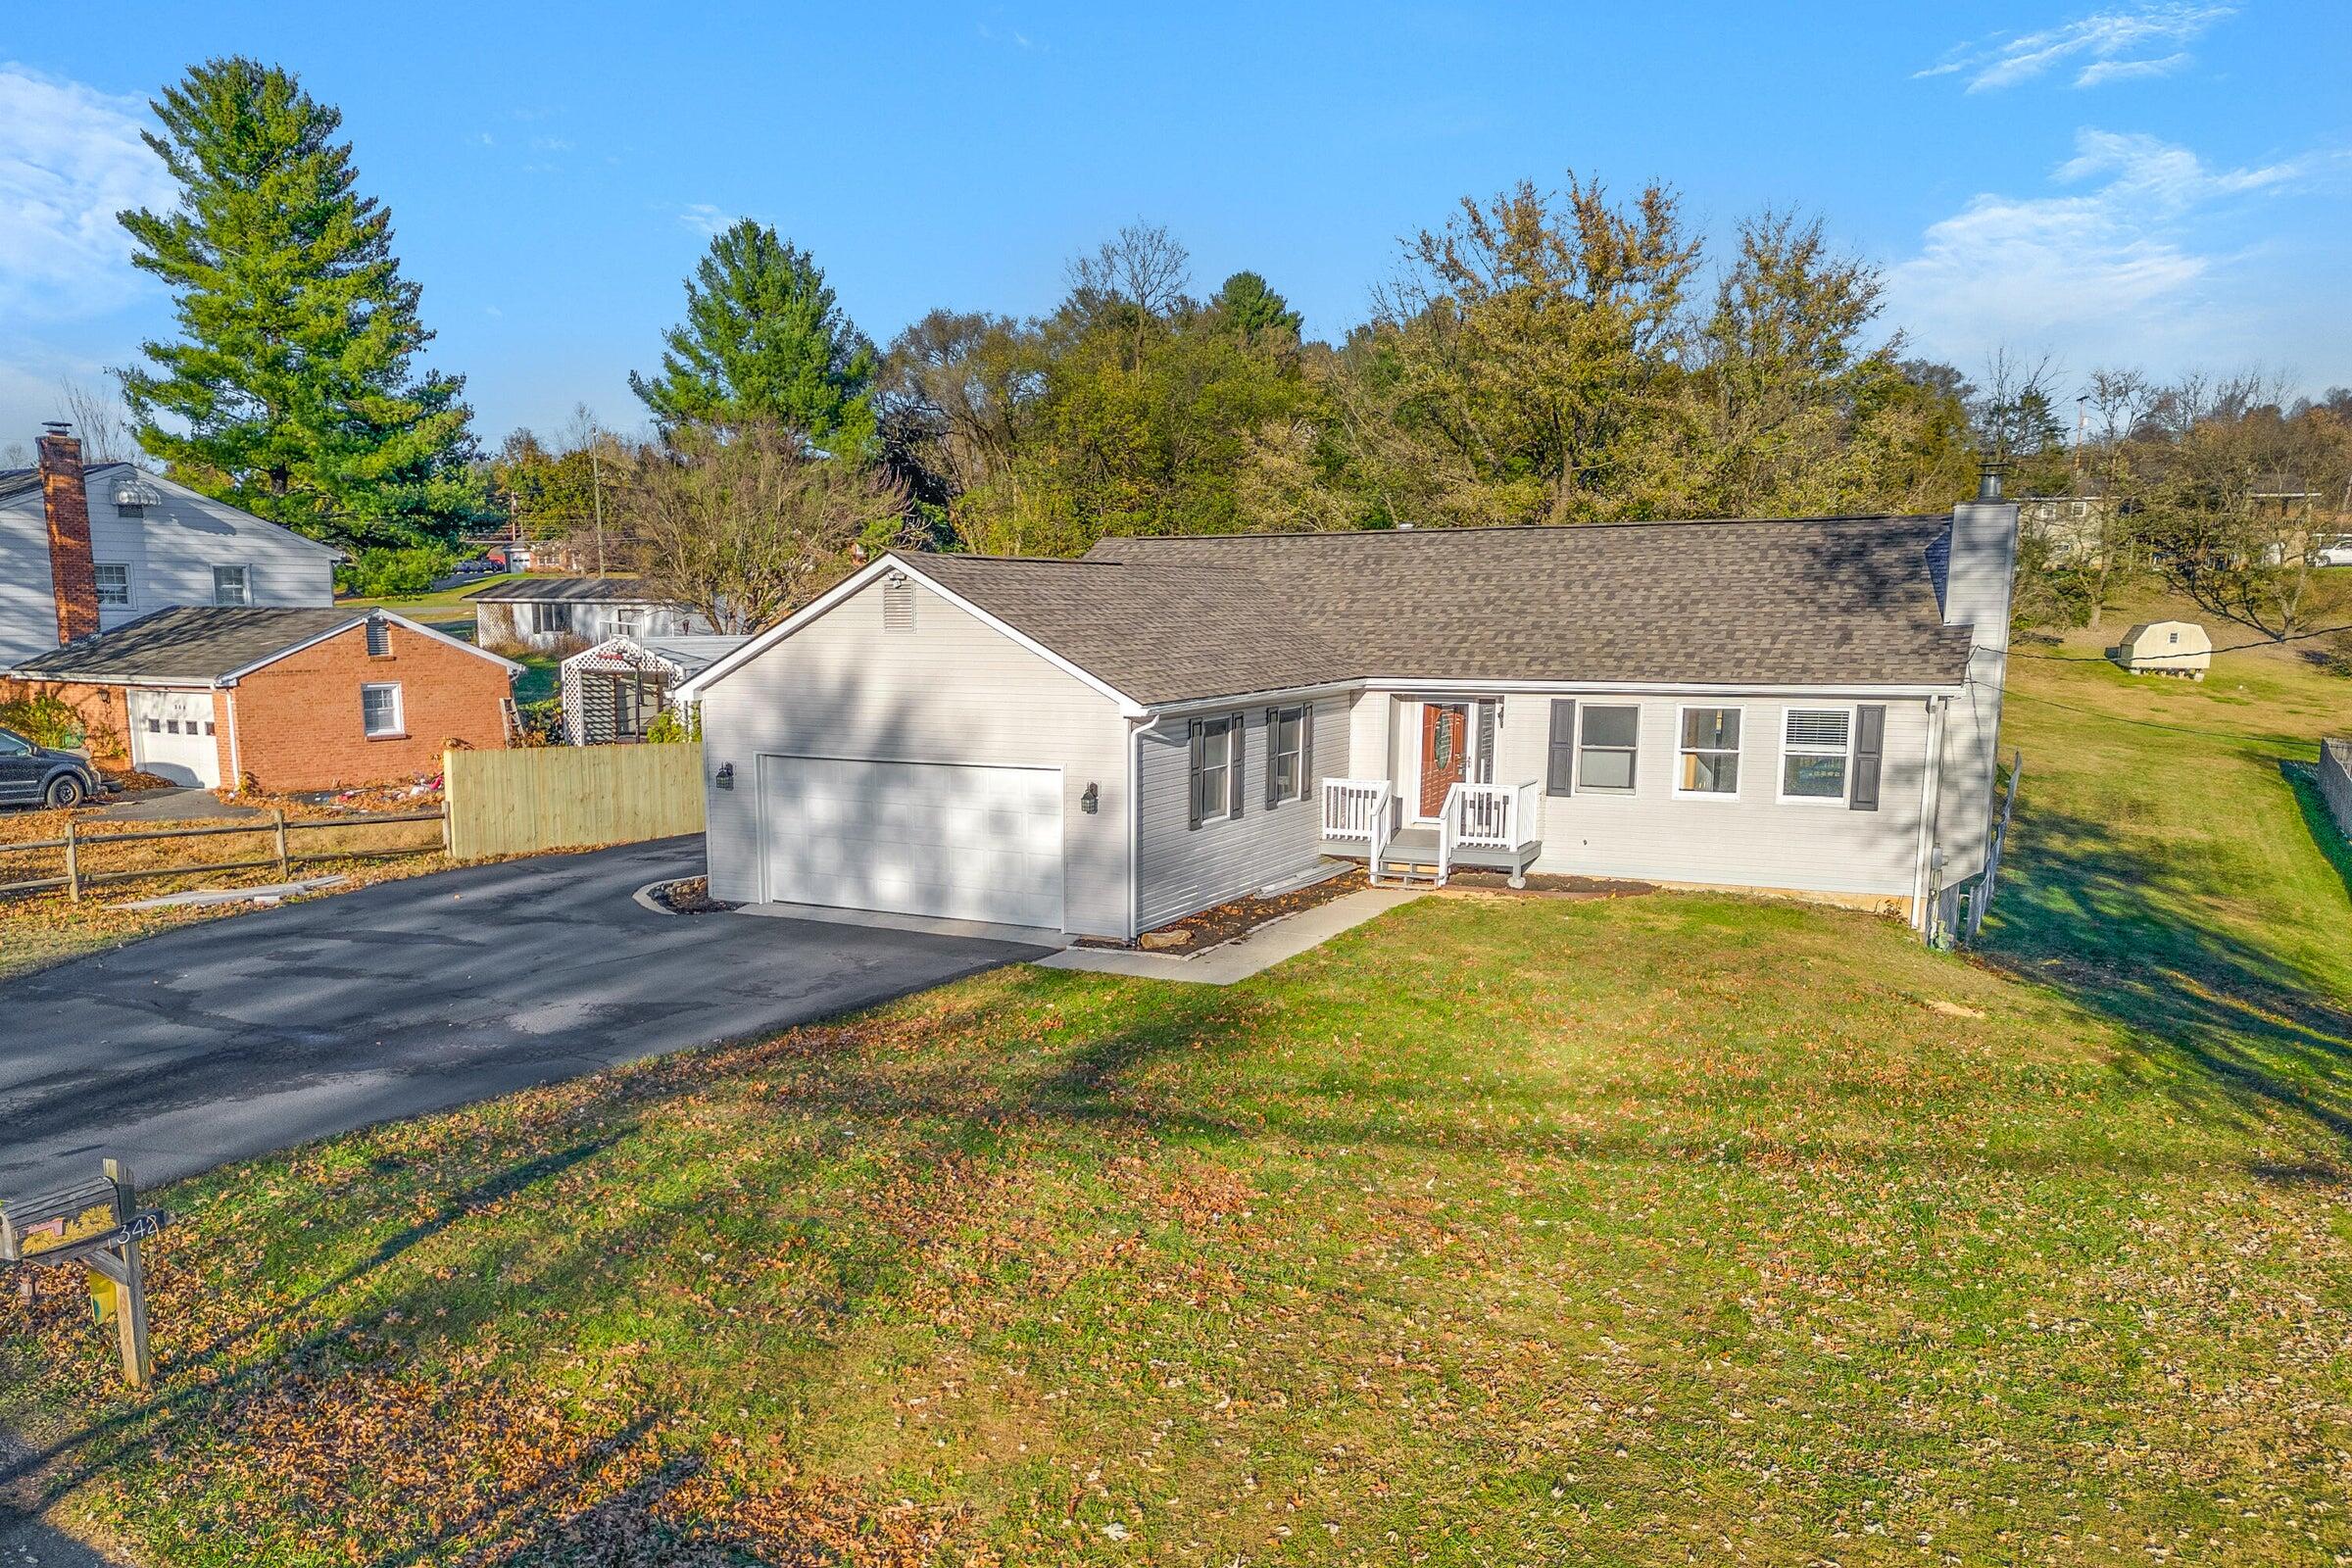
{"x": 1136, "y": 730}
{"x": 236, "y": 763}
{"x": 1931, "y": 800}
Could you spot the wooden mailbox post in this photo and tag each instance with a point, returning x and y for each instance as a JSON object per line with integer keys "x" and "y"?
{"x": 99, "y": 1225}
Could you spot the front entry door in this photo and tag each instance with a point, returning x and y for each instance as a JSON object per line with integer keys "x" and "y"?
{"x": 1444, "y": 752}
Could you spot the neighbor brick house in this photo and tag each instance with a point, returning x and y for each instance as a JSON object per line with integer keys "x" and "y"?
{"x": 202, "y": 644}
{"x": 283, "y": 698}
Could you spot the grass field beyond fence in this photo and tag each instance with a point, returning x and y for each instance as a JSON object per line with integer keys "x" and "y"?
{"x": 571, "y": 797}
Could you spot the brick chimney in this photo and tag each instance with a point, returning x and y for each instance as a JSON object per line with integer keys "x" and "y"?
{"x": 73, "y": 573}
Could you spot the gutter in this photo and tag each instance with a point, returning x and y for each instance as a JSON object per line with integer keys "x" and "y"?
{"x": 1931, "y": 800}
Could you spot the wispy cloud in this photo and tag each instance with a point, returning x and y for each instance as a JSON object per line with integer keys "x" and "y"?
{"x": 2103, "y": 47}
{"x": 2130, "y": 244}
{"x": 69, "y": 159}
{"x": 704, "y": 219}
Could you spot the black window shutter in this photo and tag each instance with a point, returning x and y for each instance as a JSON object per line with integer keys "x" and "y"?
{"x": 1307, "y": 752}
{"x": 1273, "y": 758}
{"x": 1192, "y": 735}
{"x": 1486, "y": 741}
{"x": 1870, "y": 744}
{"x": 1559, "y": 771}
{"x": 1236, "y": 772}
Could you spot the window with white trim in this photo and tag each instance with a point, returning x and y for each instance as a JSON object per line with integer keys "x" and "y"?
{"x": 1212, "y": 770}
{"x": 379, "y": 709}
{"x": 1709, "y": 760}
{"x": 1608, "y": 738}
{"x": 1286, "y": 754}
{"x": 1816, "y": 749}
{"x": 114, "y": 582}
{"x": 229, "y": 586}
{"x": 551, "y": 618}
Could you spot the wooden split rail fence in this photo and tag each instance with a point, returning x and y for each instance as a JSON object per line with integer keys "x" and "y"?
{"x": 281, "y": 829}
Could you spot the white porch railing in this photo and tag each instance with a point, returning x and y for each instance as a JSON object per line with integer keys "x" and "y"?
{"x": 1359, "y": 809}
{"x": 1490, "y": 816}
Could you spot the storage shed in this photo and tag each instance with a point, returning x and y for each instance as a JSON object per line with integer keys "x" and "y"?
{"x": 612, "y": 691}
{"x": 2166, "y": 647}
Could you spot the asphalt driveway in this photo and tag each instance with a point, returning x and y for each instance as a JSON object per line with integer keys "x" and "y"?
{"x": 236, "y": 1037}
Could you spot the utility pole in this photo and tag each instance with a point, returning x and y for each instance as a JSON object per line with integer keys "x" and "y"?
{"x": 596, "y": 485}
{"x": 2081, "y": 424}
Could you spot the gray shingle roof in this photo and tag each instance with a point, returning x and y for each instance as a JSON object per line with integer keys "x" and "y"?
{"x": 1836, "y": 601}
{"x": 571, "y": 590}
{"x": 197, "y": 644}
{"x": 1159, "y": 634}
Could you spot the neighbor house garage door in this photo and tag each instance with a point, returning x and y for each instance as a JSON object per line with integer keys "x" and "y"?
{"x": 914, "y": 837}
{"x": 171, "y": 736}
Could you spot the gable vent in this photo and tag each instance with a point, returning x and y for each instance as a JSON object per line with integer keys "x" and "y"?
{"x": 380, "y": 637}
{"x": 898, "y": 605}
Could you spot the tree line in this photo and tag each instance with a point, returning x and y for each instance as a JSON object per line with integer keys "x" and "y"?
{"x": 1538, "y": 357}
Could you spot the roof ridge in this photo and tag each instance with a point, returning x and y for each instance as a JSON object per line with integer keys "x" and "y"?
{"x": 1521, "y": 527}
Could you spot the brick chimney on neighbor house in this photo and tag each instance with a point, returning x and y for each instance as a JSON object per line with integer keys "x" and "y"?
{"x": 73, "y": 573}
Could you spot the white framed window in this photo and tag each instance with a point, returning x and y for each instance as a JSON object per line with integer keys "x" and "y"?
{"x": 1608, "y": 743}
{"x": 1817, "y": 747}
{"x": 114, "y": 582}
{"x": 1286, "y": 754}
{"x": 1213, "y": 793}
{"x": 379, "y": 709}
{"x": 551, "y": 616}
{"x": 1707, "y": 764}
{"x": 229, "y": 586}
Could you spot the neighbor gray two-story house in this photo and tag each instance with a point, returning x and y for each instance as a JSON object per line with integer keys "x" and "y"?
{"x": 154, "y": 544}
{"x": 1099, "y": 747}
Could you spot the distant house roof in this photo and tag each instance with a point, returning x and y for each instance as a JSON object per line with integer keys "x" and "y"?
{"x": 16, "y": 480}
{"x": 203, "y": 645}
{"x": 571, "y": 590}
{"x": 681, "y": 656}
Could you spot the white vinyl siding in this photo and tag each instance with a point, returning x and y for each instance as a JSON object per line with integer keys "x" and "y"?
{"x": 952, "y": 690}
{"x": 1181, "y": 869}
{"x": 1748, "y": 838}
{"x": 545, "y": 623}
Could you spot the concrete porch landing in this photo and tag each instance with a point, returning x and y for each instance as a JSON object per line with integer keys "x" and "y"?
{"x": 1244, "y": 956}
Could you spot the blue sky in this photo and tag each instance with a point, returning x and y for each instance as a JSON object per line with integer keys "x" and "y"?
{"x": 2160, "y": 184}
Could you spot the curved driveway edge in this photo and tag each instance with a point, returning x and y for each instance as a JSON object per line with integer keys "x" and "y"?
{"x": 236, "y": 1037}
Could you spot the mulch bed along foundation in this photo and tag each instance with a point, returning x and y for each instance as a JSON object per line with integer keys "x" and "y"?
{"x": 1216, "y": 926}
{"x": 691, "y": 896}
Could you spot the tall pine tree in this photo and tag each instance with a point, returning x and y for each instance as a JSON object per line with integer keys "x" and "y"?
{"x": 291, "y": 391}
{"x": 765, "y": 341}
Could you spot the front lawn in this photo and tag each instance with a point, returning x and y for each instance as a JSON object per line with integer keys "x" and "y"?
{"x": 1680, "y": 1228}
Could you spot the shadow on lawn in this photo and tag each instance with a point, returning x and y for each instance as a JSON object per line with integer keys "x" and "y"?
{"x": 2227, "y": 1026}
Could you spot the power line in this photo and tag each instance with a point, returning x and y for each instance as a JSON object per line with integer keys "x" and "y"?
{"x": 2233, "y": 647}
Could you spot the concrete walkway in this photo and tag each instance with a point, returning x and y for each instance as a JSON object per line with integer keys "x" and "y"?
{"x": 1244, "y": 956}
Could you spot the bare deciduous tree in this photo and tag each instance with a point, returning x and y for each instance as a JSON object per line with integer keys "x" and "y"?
{"x": 98, "y": 415}
{"x": 745, "y": 528}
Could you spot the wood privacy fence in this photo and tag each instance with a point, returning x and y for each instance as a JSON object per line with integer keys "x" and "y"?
{"x": 2335, "y": 780}
{"x": 570, "y": 797}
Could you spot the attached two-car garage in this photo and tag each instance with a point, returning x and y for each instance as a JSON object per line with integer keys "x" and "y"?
{"x": 950, "y": 840}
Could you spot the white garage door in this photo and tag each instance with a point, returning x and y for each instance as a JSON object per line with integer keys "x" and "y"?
{"x": 939, "y": 838}
{"x": 172, "y": 735}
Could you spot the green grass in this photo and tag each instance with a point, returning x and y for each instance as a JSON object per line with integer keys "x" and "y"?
{"x": 1660, "y": 1230}
{"x": 441, "y": 606}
